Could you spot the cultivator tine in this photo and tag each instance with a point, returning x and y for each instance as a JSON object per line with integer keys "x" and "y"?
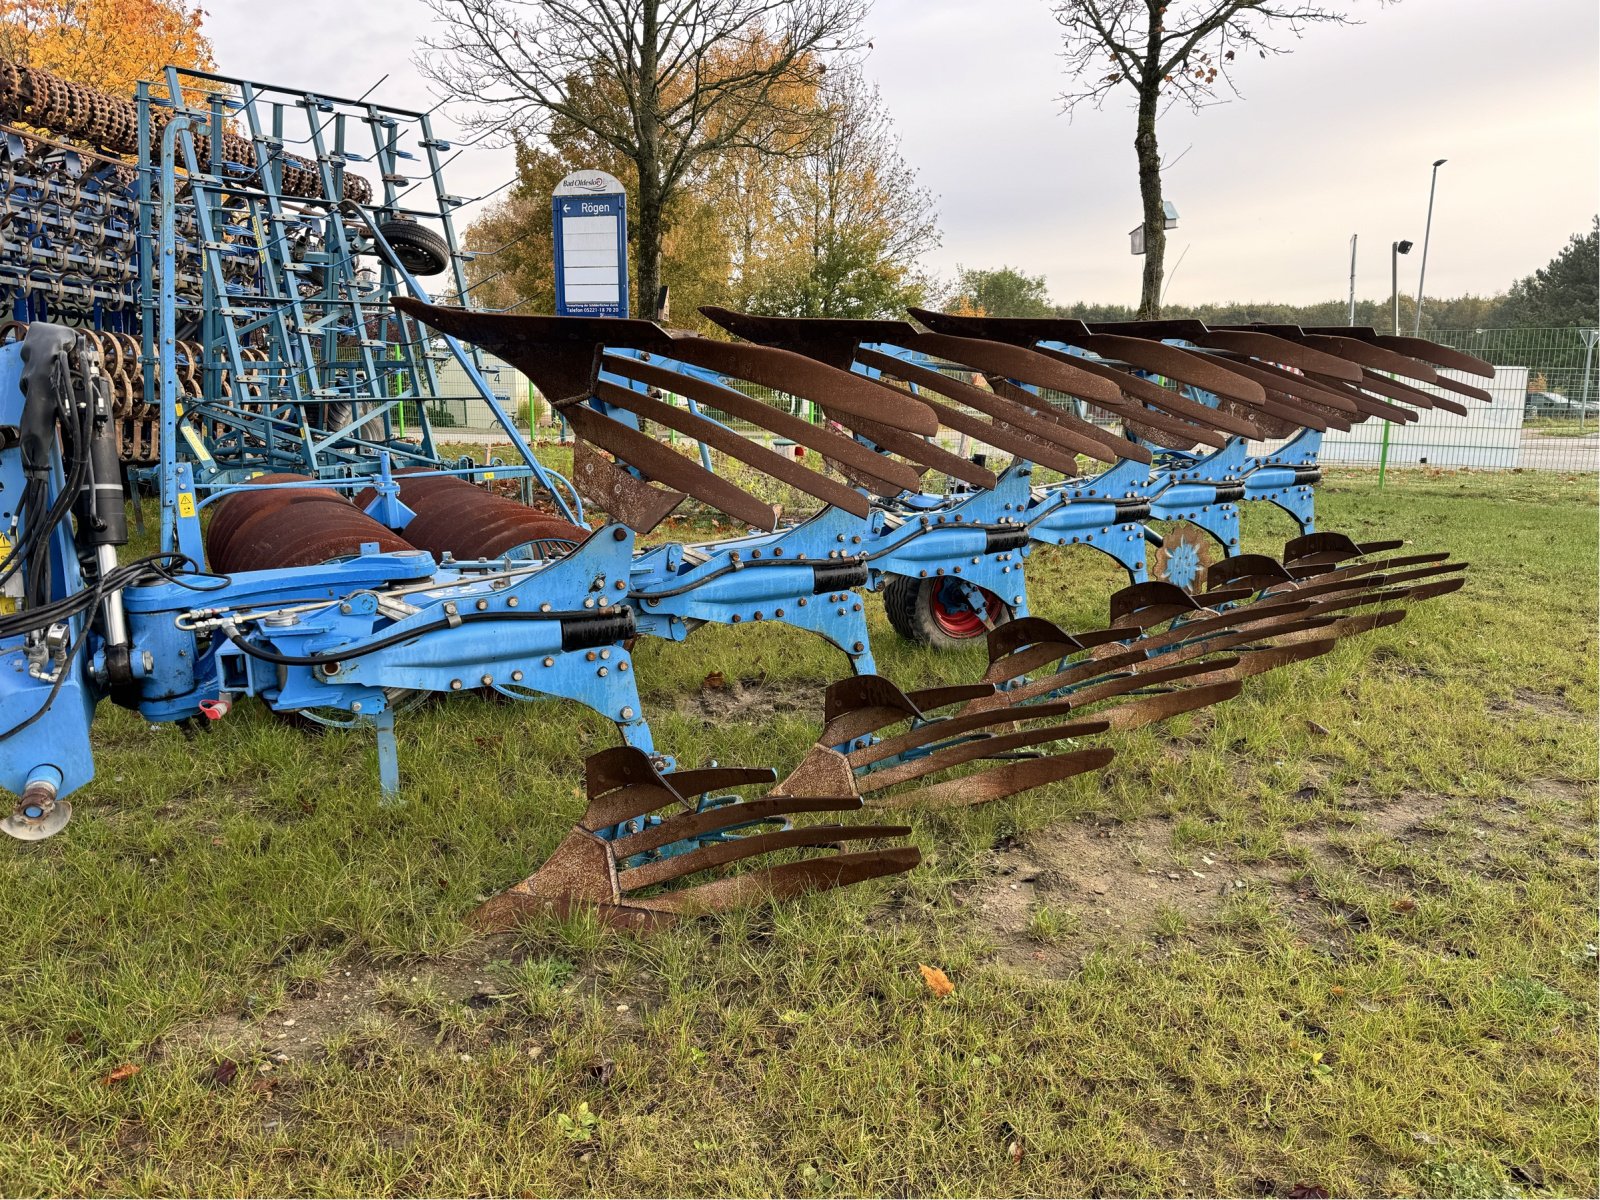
{"x": 623, "y": 847}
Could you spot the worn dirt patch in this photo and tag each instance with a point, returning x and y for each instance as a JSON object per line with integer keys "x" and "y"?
{"x": 753, "y": 699}
{"x": 1096, "y": 883}
{"x": 317, "y": 1011}
{"x": 1540, "y": 703}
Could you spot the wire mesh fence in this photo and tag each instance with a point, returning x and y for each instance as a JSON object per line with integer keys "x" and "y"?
{"x": 1544, "y": 416}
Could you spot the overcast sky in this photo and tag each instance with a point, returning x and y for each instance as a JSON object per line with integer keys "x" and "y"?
{"x": 1335, "y": 140}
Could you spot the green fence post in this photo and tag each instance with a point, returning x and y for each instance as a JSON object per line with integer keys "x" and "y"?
{"x": 1383, "y": 455}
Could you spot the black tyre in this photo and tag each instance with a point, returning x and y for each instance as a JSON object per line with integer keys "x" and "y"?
{"x": 932, "y": 612}
{"x": 419, "y": 249}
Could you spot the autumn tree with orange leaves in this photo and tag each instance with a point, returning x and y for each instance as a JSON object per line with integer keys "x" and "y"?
{"x": 105, "y": 44}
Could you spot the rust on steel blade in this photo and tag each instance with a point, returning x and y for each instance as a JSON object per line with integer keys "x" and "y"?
{"x": 1034, "y": 415}
{"x": 998, "y": 783}
{"x": 1440, "y": 356}
{"x": 661, "y": 462}
{"x": 557, "y": 353}
{"x": 713, "y": 779}
{"x": 1376, "y": 357}
{"x": 835, "y": 446}
{"x": 921, "y": 736}
{"x": 719, "y": 437}
{"x": 1272, "y": 349}
{"x": 1146, "y": 710}
{"x": 786, "y": 371}
{"x": 1172, "y": 402}
{"x": 718, "y": 854}
{"x": 832, "y": 340}
{"x": 785, "y": 881}
{"x": 993, "y": 746}
{"x": 614, "y": 491}
{"x": 919, "y": 450}
{"x": 1171, "y": 361}
{"x": 694, "y": 824}
{"x": 1021, "y": 364}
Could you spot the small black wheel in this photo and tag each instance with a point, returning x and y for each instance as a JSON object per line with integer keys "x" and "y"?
{"x": 935, "y": 612}
{"x": 419, "y": 249}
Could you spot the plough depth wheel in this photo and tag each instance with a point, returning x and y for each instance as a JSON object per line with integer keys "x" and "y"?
{"x": 940, "y": 612}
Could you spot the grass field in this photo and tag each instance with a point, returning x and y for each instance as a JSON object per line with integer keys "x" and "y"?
{"x": 1338, "y": 934}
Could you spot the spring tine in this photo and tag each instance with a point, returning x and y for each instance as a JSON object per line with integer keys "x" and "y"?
{"x": 992, "y": 746}
{"x": 926, "y": 734}
{"x": 785, "y": 881}
{"x": 718, "y": 854}
{"x": 696, "y": 823}
{"x": 999, "y": 782}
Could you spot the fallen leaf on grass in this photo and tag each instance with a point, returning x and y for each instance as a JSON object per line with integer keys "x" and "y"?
{"x": 715, "y": 681}
{"x": 1316, "y": 728}
{"x": 938, "y": 982}
{"x": 1403, "y": 905}
{"x": 1308, "y": 1191}
{"x": 1015, "y": 1150}
{"x": 223, "y": 1073}
{"x": 125, "y": 1071}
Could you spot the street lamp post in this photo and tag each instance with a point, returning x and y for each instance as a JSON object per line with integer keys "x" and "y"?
{"x": 1396, "y": 249}
{"x": 1426, "y": 232}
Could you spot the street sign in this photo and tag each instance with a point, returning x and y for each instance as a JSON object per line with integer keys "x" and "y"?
{"x": 590, "y": 211}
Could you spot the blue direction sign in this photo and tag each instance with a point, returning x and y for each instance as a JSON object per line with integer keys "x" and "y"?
{"x": 590, "y": 211}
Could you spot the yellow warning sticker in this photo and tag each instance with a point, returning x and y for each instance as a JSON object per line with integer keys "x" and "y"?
{"x": 488, "y": 475}
{"x": 186, "y": 504}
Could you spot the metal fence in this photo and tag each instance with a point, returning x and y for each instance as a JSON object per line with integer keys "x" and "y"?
{"x": 1545, "y": 415}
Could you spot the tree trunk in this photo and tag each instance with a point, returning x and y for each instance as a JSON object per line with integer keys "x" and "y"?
{"x": 1155, "y": 233}
{"x": 647, "y": 238}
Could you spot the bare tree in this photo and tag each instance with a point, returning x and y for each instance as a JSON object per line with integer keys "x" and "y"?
{"x": 666, "y": 83}
{"x": 1172, "y": 53}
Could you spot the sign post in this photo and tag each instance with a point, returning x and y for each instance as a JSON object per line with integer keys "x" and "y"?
{"x": 590, "y": 211}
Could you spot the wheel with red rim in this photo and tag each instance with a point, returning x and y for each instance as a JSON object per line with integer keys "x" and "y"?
{"x": 936, "y": 612}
